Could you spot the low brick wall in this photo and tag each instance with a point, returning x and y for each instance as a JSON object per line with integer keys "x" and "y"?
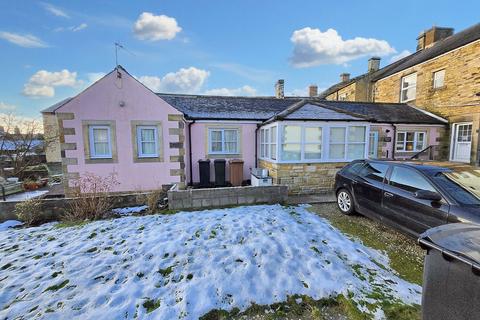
{"x": 303, "y": 178}
{"x": 53, "y": 209}
{"x": 220, "y": 197}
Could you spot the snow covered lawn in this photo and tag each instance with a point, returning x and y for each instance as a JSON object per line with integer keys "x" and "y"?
{"x": 184, "y": 265}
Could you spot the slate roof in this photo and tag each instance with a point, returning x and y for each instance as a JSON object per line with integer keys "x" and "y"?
{"x": 340, "y": 85}
{"x": 314, "y": 111}
{"x": 445, "y": 45}
{"x": 57, "y": 105}
{"x": 383, "y": 112}
{"x": 227, "y": 108}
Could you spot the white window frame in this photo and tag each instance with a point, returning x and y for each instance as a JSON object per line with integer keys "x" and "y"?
{"x": 435, "y": 83}
{"x": 412, "y": 86}
{"x": 373, "y": 135}
{"x": 342, "y": 97}
{"x": 415, "y": 141}
{"x": 92, "y": 142}
{"x": 210, "y": 151}
{"x": 139, "y": 141}
{"x": 324, "y": 143}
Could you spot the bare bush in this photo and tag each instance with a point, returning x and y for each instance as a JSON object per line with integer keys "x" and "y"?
{"x": 91, "y": 197}
{"x": 29, "y": 211}
{"x": 152, "y": 200}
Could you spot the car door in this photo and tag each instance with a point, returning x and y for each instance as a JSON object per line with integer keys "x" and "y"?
{"x": 368, "y": 187}
{"x": 403, "y": 208}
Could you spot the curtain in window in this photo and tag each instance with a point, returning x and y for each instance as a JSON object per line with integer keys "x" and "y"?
{"x": 273, "y": 143}
{"x": 291, "y": 146}
{"x": 147, "y": 139}
{"x": 356, "y": 143}
{"x": 313, "y": 143}
{"x": 100, "y": 141}
{"x": 216, "y": 140}
{"x": 230, "y": 141}
{"x": 337, "y": 143}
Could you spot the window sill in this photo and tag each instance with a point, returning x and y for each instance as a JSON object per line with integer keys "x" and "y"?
{"x": 224, "y": 155}
{"x": 100, "y": 160}
{"x": 406, "y": 101}
{"x": 147, "y": 159}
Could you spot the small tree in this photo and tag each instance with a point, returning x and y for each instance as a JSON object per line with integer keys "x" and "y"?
{"x": 91, "y": 197}
{"x": 21, "y": 143}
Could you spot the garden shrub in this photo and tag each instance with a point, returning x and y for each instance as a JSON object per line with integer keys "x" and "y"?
{"x": 29, "y": 211}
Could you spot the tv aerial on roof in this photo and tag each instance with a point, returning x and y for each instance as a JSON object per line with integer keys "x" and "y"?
{"x": 118, "y": 46}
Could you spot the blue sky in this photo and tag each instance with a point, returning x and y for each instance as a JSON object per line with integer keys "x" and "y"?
{"x": 53, "y": 49}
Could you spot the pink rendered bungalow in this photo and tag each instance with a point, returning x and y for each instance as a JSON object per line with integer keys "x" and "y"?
{"x": 148, "y": 140}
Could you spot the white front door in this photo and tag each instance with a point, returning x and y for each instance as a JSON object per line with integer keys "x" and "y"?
{"x": 462, "y": 142}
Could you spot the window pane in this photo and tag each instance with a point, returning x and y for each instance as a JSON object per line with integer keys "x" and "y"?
{"x": 147, "y": 134}
{"x": 337, "y": 151}
{"x": 410, "y": 136}
{"x": 409, "y": 146}
{"x": 216, "y": 135}
{"x": 356, "y": 134}
{"x": 230, "y": 147}
{"x": 438, "y": 79}
{"x": 101, "y": 148}
{"x": 356, "y": 151}
{"x": 231, "y": 135}
{"x": 100, "y": 135}
{"x": 273, "y": 135}
{"x": 291, "y": 151}
{"x": 148, "y": 148}
{"x": 313, "y": 151}
{"x": 216, "y": 146}
{"x": 374, "y": 171}
{"x": 273, "y": 151}
{"x": 292, "y": 134}
{"x": 337, "y": 135}
{"x": 409, "y": 180}
{"x": 313, "y": 135}
{"x": 420, "y": 141}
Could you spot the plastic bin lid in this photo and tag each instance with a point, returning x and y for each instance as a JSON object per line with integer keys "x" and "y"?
{"x": 462, "y": 239}
{"x": 219, "y": 160}
{"x": 236, "y": 161}
{"x": 204, "y": 160}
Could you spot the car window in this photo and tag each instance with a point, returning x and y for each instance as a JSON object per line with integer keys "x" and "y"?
{"x": 354, "y": 168}
{"x": 455, "y": 190}
{"x": 409, "y": 180}
{"x": 374, "y": 171}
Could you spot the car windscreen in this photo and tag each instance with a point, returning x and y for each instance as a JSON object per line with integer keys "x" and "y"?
{"x": 459, "y": 187}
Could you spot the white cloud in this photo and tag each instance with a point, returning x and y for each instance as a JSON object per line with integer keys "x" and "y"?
{"x": 72, "y": 28}
{"x": 242, "y": 91}
{"x": 153, "y": 28}
{"x": 185, "y": 80}
{"x": 55, "y": 10}
{"x": 399, "y": 56}
{"x": 7, "y": 107}
{"x": 313, "y": 47}
{"x": 23, "y": 40}
{"x": 43, "y": 83}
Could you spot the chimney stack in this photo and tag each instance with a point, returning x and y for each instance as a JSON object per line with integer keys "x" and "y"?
{"x": 279, "y": 89}
{"x": 373, "y": 64}
{"x": 344, "y": 77}
{"x": 431, "y": 36}
{"x": 312, "y": 91}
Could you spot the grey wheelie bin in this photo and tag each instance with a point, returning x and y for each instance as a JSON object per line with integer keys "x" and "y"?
{"x": 451, "y": 278}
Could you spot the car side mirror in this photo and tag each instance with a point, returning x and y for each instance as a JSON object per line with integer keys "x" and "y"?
{"x": 428, "y": 195}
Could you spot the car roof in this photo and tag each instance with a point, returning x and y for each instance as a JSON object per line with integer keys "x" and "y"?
{"x": 425, "y": 168}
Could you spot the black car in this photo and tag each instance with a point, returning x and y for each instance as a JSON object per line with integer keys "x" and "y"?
{"x": 411, "y": 197}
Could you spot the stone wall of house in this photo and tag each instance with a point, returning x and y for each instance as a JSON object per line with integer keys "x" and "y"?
{"x": 303, "y": 178}
{"x": 349, "y": 91}
{"x": 221, "y": 197}
{"x": 461, "y": 84}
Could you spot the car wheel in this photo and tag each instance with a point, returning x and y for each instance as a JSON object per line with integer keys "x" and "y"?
{"x": 345, "y": 202}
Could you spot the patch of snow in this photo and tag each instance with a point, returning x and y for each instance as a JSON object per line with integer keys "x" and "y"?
{"x": 26, "y": 195}
{"x": 129, "y": 210}
{"x": 191, "y": 262}
{"x": 9, "y": 224}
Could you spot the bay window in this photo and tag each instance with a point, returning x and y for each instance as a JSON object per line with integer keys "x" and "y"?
{"x": 410, "y": 141}
{"x": 291, "y": 143}
{"x": 313, "y": 143}
{"x": 223, "y": 141}
{"x": 408, "y": 88}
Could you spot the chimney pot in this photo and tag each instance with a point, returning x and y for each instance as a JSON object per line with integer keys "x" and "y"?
{"x": 373, "y": 64}
{"x": 313, "y": 90}
{"x": 344, "y": 77}
{"x": 279, "y": 89}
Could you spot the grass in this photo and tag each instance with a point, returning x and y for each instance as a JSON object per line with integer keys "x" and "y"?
{"x": 165, "y": 272}
{"x": 150, "y": 305}
{"x": 405, "y": 256}
{"x": 57, "y": 286}
{"x": 68, "y": 224}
